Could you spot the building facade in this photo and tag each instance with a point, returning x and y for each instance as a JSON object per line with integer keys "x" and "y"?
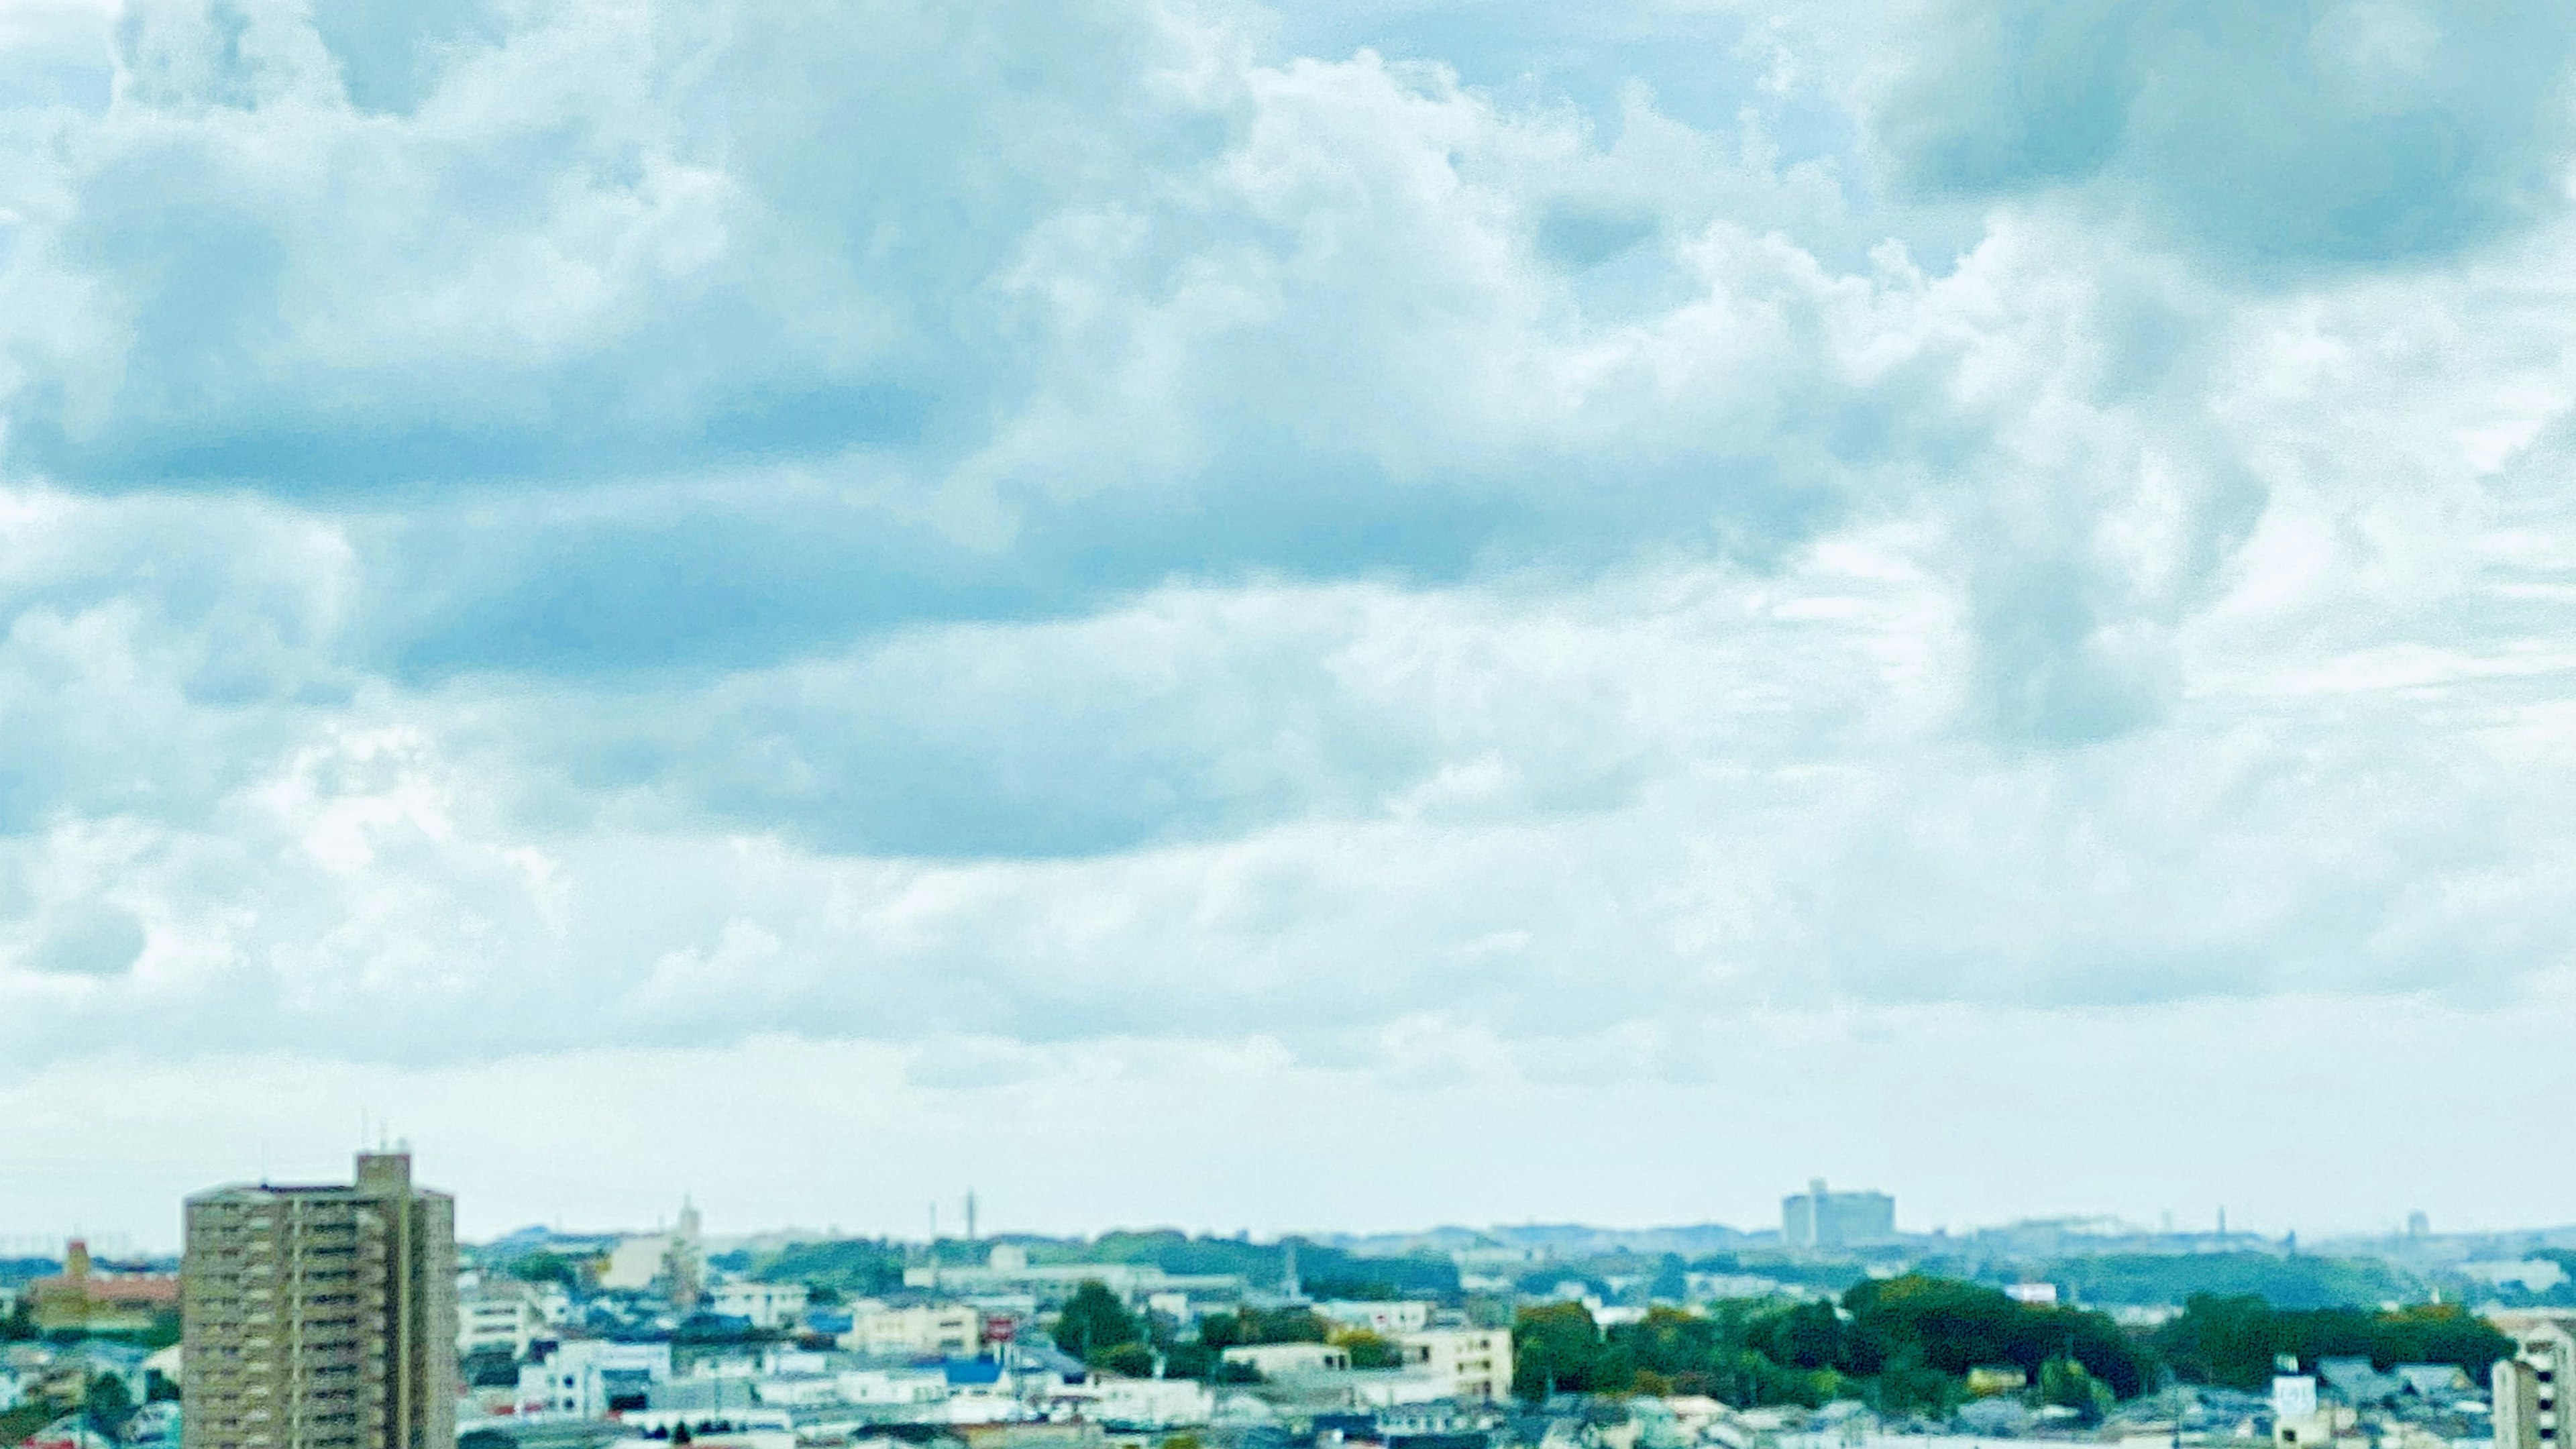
{"x": 2529, "y": 1385}
{"x": 85, "y": 1298}
{"x": 1475, "y": 1362}
{"x": 321, "y": 1317}
{"x": 1817, "y": 1218}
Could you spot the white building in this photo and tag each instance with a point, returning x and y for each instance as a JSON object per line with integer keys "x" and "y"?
{"x": 1476, "y": 1362}
{"x": 947, "y": 1329}
{"x": 1288, "y": 1360}
{"x": 2530, "y": 1386}
{"x": 766, "y": 1305}
{"x": 904, "y": 1387}
{"x": 587, "y": 1379}
{"x": 1152, "y": 1403}
{"x": 1392, "y": 1389}
{"x": 1383, "y": 1319}
{"x": 635, "y": 1262}
{"x": 498, "y": 1315}
{"x": 1007, "y": 1270}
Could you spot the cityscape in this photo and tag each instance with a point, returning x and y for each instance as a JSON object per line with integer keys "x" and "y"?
{"x": 1287, "y": 724}
{"x": 347, "y": 1315}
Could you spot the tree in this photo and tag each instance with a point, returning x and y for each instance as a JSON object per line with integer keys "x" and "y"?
{"x": 108, "y": 1402}
{"x": 1555, "y": 1349}
{"x": 1369, "y": 1350}
{"x": 2063, "y": 1383}
{"x": 1132, "y": 1359}
{"x": 1094, "y": 1322}
{"x": 545, "y": 1267}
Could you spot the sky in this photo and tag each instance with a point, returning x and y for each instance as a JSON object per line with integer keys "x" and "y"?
{"x": 1341, "y": 614}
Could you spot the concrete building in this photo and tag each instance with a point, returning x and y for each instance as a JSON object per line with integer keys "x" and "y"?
{"x": 946, "y": 1329}
{"x": 1817, "y": 1218}
{"x": 763, "y": 1305}
{"x": 589, "y": 1379}
{"x": 1276, "y": 1360}
{"x": 86, "y": 1298}
{"x": 321, "y": 1317}
{"x": 1384, "y": 1319}
{"x": 1006, "y": 1270}
{"x": 497, "y": 1316}
{"x": 1475, "y": 1362}
{"x": 2530, "y": 1385}
{"x": 1152, "y": 1404}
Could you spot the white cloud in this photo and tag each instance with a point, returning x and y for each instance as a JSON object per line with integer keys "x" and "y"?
{"x": 1077, "y": 549}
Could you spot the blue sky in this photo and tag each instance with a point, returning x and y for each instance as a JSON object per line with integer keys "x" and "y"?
{"x": 1322, "y": 614}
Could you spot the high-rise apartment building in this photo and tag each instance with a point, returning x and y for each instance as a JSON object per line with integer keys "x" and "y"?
{"x": 321, "y": 1317}
{"x": 1817, "y": 1218}
{"x": 2529, "y": 1382}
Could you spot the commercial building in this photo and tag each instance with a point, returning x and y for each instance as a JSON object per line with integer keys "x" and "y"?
{"x": 321, "y": 1317}
{"x": 1817, "y": 1218}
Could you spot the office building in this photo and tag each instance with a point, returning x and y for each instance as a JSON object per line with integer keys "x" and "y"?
{"x": 321, "y": 1317}
{"x": 1817, "y": 1218}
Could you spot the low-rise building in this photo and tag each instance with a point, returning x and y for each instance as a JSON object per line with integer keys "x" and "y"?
{"x": 923, "y": 1328}
{"x": 496, "y": 1316}
{"x": 1385, "y": 1319}
{"x": 1475, "y": 1362}
{"x": 1124, "y": 1403}
{"x": 592, "y": 1379}
{"x": 1284, "y": 1360}
{"x": 898, "y": 1387}
{"x": 89, "y": 1298}
{"x": 763, "y": 1305}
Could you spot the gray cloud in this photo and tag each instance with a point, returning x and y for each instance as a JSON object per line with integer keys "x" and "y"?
{"x": 1063, "y": 525}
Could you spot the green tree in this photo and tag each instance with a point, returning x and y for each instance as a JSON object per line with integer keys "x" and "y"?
{"x": 2063, "y": 1383}
{"x": 545, "y": 1267}
{"x": 1094, "y": 1322}
{"x": 1556, "y": 1348}
{"x": 1369, "y": 1350}
{"x": 108, "y": 1402}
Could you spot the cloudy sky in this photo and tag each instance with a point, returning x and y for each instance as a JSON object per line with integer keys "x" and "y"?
{"x": 1336, "y": 614}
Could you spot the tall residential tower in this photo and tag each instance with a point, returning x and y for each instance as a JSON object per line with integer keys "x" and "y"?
{"x": 321, "y": 1317}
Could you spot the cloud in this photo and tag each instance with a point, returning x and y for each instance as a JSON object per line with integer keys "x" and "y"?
{"x": 1072, "y": 546}
{"x": 2276, "y": 138}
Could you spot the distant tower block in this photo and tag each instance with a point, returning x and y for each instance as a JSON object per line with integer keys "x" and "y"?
{"x": 2418, "y": 1225}
{"x": 1821, "y": 1219}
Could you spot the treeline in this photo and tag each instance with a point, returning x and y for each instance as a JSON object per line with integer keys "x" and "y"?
{"x": 1902, "y": 1344}
{"x": 1101, "y": 1331}
{"x": 2303, "y": 1281}
{"x": 1905, "y": 1345}
{"x": 2233, "y": 1341}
